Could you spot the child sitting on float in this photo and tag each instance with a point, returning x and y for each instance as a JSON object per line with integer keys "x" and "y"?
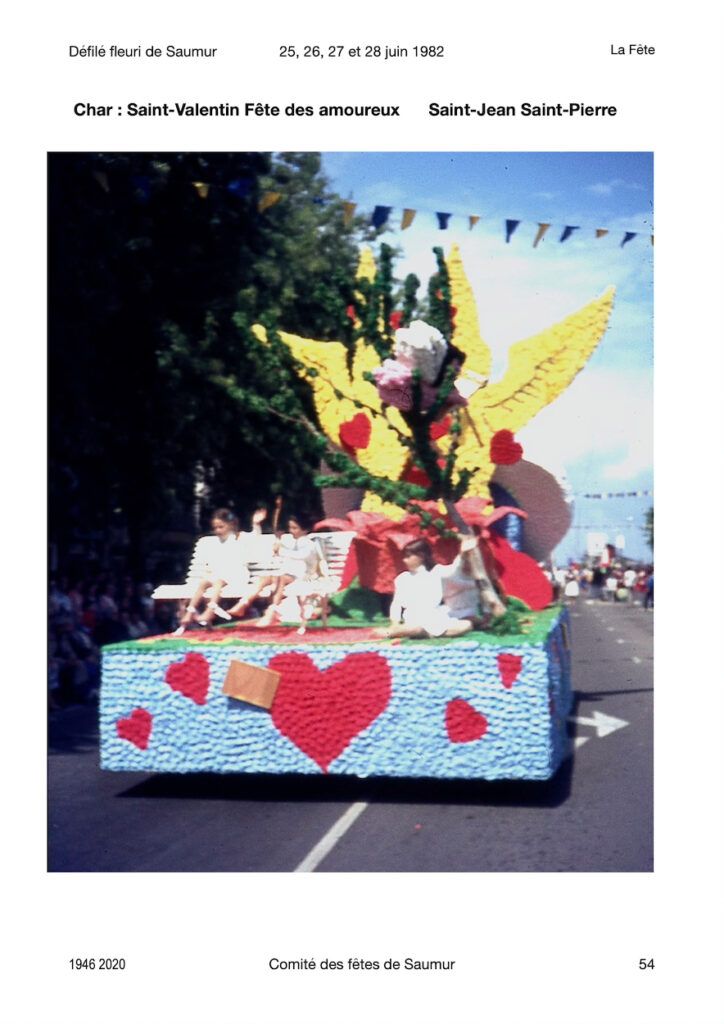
{"x": 302, "y": 572}
{"x": 418, "y": 609}
{"x": 224, "y": 565}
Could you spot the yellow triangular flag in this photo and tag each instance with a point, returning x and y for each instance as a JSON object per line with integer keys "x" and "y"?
{"x": 268, "y": 199}
{"x": 600, "y": 232}
{"x": 473, "y": 220}
{"x": 407, "y": 218}
{"x": 349, "y": 209}
{"x": 542, "y": 228}
{"x": 102, "y": 179}
{"x": 202, "y": 188}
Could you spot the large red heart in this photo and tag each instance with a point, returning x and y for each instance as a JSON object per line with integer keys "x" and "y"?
{"x": 355, "y": 433}
{"x": 190, "y": 677}
{"x": 136, "y": 728}
{"x": 504, "y": 449}
{"x": 509, "y": 666}
{"x": 463, "y": 723}
{"x": 322, "y": 712}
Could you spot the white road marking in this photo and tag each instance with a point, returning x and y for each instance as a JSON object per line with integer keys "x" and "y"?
{"x": 610, "y": 629}
{"x": 635, "y": 660}
{"x": 619, "y": 640}
{"x": 580, "y": 740}
{"x": 603, "y": 724}
{"x": 328, "y": 841}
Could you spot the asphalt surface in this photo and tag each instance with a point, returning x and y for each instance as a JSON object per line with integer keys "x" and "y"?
{"x": 595, "y": 815}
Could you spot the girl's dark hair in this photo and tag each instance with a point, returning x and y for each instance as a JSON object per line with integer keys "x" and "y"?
{"x": 226, "y": 516}
{"x": 422, "y": 549}
{"x": 300, "y": 521}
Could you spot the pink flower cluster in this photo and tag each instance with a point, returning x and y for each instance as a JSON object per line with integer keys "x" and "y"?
{"x": 394, "y": 386}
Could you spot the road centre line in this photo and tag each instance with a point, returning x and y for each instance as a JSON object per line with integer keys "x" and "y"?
{"x": 330, "y": 839}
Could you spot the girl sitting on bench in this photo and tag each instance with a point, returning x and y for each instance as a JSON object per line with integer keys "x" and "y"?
{"x": 225, "y": 564}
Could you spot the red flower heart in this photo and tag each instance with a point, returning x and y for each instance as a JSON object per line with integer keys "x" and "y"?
{"x": 355, "y": 433}
{"x": 136, "y": 728}
{"x": 504, "y": 449}
{"x": 509, "y": 666}
{"x": 463, "y": 723}
{"x": 322, "y": 712}
{"x": 439, "y": 429}
{"x": 190, "y": 677}
{"x": 351, "y": 313}
{"x": 395, "y": 319}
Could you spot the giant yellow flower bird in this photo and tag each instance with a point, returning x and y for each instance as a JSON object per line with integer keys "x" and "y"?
{"x": 539, "y": 369}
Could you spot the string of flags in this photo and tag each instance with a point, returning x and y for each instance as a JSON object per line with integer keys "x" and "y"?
{"x": 380, "y": 216}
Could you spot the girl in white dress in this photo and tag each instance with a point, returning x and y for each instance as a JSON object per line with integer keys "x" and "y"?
{"x": 223, "y": 563}
{"x": 303, "y": 571}
{"x": 417, "y": 608}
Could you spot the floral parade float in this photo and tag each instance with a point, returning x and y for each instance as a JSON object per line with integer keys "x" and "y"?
{"x": 409, "y": 429}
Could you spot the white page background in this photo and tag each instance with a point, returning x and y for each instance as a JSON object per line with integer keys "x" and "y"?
{"x": 528, "y": 947}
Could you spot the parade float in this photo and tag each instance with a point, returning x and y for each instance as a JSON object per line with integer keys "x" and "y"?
{"x": 416, "y": 442}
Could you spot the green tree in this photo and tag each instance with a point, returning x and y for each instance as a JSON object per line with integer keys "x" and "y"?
{"x": 158, "y": 264}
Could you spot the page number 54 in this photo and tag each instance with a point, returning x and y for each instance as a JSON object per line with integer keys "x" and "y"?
{"x": 645, "y": 964}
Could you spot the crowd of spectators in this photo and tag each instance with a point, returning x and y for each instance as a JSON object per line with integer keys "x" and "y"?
{"x": 630, "y": 583}
{"x": 86, "y": 614}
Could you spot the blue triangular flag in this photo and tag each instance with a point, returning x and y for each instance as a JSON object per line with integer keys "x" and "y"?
{"x": 240, "y": 186}
{"x": 442, "y": 219}
{"x": 380, "y": 215}
{"x": 567, "y": 232}
{"x": 627, "y": 237}
{"x": 510, "y": 226}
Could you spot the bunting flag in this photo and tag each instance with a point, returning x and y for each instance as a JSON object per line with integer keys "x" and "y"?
{"x": 380, "y": 215}
{"x": 267, "y": 200}
{"x": 407, "y": 218}
{"x": 542, "y": 228}
{"x": 568, "y": 231}
{"x": 240, "y": 186}
{"x": 510, "y": 226}
{"x": 379, "y": 218}
{"x": 102, "y": 178}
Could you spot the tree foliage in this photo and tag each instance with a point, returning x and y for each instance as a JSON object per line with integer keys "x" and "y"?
{"x": 153, "y": 283}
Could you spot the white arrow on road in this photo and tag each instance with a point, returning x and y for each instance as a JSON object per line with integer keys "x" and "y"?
{"x": 603, "y": 724}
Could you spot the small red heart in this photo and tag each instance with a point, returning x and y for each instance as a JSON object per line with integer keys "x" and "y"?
{"x": 439, "y": 429}
{"x": 509, "y": 666}
{"x": 355, "y": 433}
{"x": 322, "y": 712}
{"x": 136, "y": 728}
{"x": 395, "y": 319}
{"x": 463, "y": 723}
{"x": 504, "y": 449}
{"x": 415, "y": 475}
{"x": 190, "y": 677}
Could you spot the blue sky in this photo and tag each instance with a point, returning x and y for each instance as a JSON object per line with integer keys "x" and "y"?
{"x": 598, "y": 434}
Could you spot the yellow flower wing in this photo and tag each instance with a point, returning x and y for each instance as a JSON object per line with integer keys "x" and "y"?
{"x": 541, "y": 367}
{"x": 467, "y": 330}
{"x": 329, "y": 359}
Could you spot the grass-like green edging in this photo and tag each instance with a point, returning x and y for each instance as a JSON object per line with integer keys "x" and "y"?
{"x": 536, "y": 626}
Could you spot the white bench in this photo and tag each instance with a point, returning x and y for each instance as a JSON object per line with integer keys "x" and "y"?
{"x": 335, "y": 548}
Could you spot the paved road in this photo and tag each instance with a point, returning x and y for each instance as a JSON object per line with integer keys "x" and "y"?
{"x": 596, "y": 815}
